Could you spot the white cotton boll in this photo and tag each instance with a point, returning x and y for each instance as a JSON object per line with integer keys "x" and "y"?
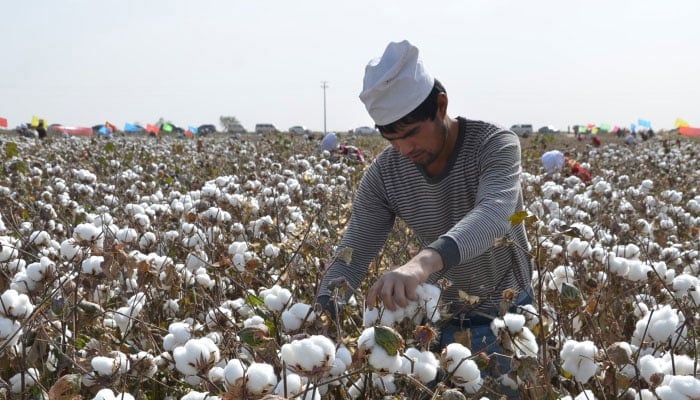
{"x": 195, "y": 395}
{"x": 254, "y": 320}
{"x": 272, "y": 251}
{"x": 104, "y": 394}
{"x": 296, "y": 315}
{"x": 260, "y": 378}
{"x": 680, "y": 364}
{"x": 648, "y": 366}
{"x": 293, "y": 384}
{"x": 617, "y": 265}
{"x": 578, "y": 359}
{"x": 425, "y": 364}
{"x": 381, "y": 361}
{"x": 93, "y": 265}
{"x": 31, "y": 377}
{"x": 638, "y": 270}
{"x": 239, "y": 262}
{"x": 147, "y": 240}
{"x": 220, "y": 317}
{"x": 686, "y": 386}
{"x": 233, "y": 372}
{"x": 370, "y": 317}
{"x": 276, "y": 298}
{"x": 86, "y": 232}
{"x": 39, "y": 238}
{"x": 10, "y": 332}
{"x": 514, "y": 322}
{"x": 195, "y": 260}
{"x": 70, "y": 250}
{"x": 661, "y": 324}
{"x": 126, "y": 235}
{"x": 555, "y": 251}
{"x": 104, "y": 366}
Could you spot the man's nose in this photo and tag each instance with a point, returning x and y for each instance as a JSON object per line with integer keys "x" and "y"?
{"x": 404, "y": 147}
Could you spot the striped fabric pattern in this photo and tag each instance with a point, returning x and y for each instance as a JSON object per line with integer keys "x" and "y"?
{"x": 470, "y": 203}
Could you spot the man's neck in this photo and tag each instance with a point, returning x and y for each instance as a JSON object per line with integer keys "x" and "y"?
{"x": 439, "y": 165}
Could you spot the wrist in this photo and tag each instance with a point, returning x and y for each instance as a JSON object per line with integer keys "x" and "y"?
{"x": 430, "y": 260}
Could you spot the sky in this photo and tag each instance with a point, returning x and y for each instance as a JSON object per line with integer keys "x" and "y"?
{"x": 542, "y": 62}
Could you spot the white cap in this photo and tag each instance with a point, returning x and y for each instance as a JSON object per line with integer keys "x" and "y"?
{"x": 552, "y": 161}
{"x": 329, "y": 142}
{"x": 395, "y": 84}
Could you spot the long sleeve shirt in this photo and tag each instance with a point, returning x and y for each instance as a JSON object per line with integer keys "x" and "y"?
{"x": 460, "y": 213}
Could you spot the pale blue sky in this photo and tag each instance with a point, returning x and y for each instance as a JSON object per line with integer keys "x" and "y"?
{"x": 545, "y": 62}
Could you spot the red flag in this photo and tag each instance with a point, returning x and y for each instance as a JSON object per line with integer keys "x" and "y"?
{"x": 3, "y": 122}
{"x": 689, "y": 131}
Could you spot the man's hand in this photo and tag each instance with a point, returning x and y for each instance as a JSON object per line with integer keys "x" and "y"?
{"x": 395, "y": 288}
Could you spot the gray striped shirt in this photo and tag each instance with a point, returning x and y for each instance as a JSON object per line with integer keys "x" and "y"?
{"x": 460, "y": 213}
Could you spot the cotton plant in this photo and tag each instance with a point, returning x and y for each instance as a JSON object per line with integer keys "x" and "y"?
{"x": 31, "y": 379}
{"x": 256, "y": 379}
{"x": 276, "y": 298}
{"x": 296, "y": 315}
{"x": 196, "y": 357}
{"x": 311, "y": 357}
{"x": 426, "y": 306}
{"x": 110, "y": 366}
{"x": 457, "y": 361}
{"x": 657, "y": 326}
{"x": 579, "y": 359}
{"x": 423, "y": 365}
{"x": 15, "y": 305}
{"x": 514, "y": 336}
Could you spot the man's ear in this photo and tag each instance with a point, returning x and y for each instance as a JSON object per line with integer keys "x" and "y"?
{"x": 442, "y": 105}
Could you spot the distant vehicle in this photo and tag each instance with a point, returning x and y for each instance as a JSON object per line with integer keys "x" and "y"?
{"x": 365, "y": 130}
{"x": 206, "y": 129}
{"x": 547, "y": 129}
{"x": 523, "y": 130}
{"x": 265, "y": 128}
{"x": 298, "y": 129}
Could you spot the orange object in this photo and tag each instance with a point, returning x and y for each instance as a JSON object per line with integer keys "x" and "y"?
{"x": 3, "y": 122}
{"x": 689, "y": 131}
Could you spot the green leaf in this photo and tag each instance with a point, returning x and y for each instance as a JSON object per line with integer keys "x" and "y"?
{"x": 11, "y": 150}
{"x": 110, "y": 147}
{"x": 518, "y": 217}
{"x": 388, "y": 339}
{"x": 254, "y": 300}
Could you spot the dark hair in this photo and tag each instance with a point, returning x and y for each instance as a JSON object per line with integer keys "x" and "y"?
{"x": 426, "y": 110}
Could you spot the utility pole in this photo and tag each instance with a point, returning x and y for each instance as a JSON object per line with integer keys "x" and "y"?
{"x": 324, "y": 86}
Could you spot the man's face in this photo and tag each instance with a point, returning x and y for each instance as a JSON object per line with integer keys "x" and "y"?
{"x": 421, "y": 142}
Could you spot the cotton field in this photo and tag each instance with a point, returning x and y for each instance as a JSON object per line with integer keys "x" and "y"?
{"x": 139, "y": 268}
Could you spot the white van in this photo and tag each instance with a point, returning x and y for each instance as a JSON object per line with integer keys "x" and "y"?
{"x": 265, "y": 128}
{"x": 523, "y": 130}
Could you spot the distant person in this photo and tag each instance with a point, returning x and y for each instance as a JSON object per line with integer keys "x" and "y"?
{"x": 595, "y": 141}
{"x": 329, "y": 142}
{"x": 630, "y": 140}
{"x": 555, "y": 160}
{"x": 41, "y": 129}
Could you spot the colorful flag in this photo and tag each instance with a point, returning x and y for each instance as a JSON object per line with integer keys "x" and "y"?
{"x": 130, "y": 127}
{"x": 3, "y": 122}
{"x": 35, "y": 121}
{"x": 154, "y": 129}
{"x": 104, "y": 130}
{"x": 643, "y": 122}
{"x": 633, "y": 127}
{"x": 167, "y": 128}
{"x": 681, "y": 122}
{"x": 605, "y": 127}
{"x": 192, "y": 129}
{"x": 688, "y": 131}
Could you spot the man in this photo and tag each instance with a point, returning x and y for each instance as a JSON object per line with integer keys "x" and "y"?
{"x": 454, "y": 181}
